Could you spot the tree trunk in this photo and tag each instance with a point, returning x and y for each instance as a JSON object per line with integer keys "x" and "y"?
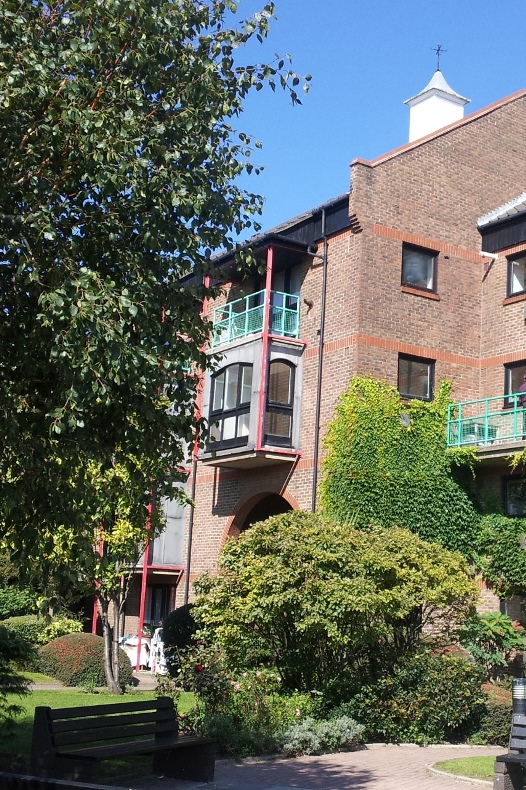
{"x": 110, "y": 654}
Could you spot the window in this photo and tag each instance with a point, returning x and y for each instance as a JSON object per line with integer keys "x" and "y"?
{"x": 157, "y": 607}
{"x": 280, "y": 402}
{"x": 515, "y": 497}
{"x": 415, "y": 377}
{"x": 514, "y": 378}
{"x": 230, "y": 406}
{"x": 419, "y": 267}
{"x": 516, "y": 275}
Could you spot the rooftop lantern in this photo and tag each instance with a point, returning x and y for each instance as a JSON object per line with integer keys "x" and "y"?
{"x": 434, "y": 107}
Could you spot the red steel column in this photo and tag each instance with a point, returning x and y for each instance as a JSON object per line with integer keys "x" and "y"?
{"x": 265, "y": 348}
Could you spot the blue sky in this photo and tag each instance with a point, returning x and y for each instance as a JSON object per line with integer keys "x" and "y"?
{"x": 366, "y": 58}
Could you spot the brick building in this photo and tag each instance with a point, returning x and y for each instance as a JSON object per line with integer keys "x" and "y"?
{"x": 388, "y": 281}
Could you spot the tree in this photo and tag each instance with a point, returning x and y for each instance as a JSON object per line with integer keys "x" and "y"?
{"x": 119, "y": 157}
{"x": 327, "y": 601}
{"x": 15, "y": 598}
{"x": 387, "y": 463}
{"x": 121, "y": 527}
{"x": 13, "y": 648}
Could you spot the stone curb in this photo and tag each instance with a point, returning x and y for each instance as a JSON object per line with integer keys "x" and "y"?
{"x": 459, "y": 777}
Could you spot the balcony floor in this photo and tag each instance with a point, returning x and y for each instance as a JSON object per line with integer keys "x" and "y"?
{"x": 499, "y": 450}
{"x": 250, "y": 460}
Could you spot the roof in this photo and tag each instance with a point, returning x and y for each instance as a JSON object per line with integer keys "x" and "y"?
{"x": 299, "y": 232}
{"x": 437, "y": 84}
{"x": 510, "y": 209}
{"x": 439, "y": 132}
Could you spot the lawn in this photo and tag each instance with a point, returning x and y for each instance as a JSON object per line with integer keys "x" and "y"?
{"x": 474, "y": 767}
{"x": 14, "y": 751}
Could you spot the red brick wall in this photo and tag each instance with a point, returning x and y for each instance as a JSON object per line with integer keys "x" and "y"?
{"x": 430, "y": 194}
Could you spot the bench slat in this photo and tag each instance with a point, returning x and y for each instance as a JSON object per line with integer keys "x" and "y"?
{"x": 517, "y": 743}
{"x": 113, "y": 734}
{"x": 139, "y": 747}
{"x": 511, "y": 758}
{"x": 110, "y": 708}
{"x": 67, "y": 725}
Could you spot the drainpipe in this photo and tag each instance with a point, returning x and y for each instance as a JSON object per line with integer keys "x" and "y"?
{"x": 320, "y": 366}
{"x": 198, "y": 410}
{"x": 265, "y": 346}
{"x": 190, "y": 529}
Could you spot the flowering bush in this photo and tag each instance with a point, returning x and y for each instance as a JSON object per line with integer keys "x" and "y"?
{"x": 77, "y": 660}
{"x": 245, "y": 712}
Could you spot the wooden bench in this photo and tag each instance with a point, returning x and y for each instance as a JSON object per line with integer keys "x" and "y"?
{"x": 509, "y": 767}
{"x": 70, "y": 743}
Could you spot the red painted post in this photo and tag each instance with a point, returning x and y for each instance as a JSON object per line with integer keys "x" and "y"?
{"x": 265, "y": 348}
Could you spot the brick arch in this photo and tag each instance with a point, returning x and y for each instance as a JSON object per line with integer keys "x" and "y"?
{"x": 243, "y": 508}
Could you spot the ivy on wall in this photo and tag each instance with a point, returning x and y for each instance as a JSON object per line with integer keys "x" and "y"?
{"x": 503, "y": 554}
{"x": 387, "y": 463}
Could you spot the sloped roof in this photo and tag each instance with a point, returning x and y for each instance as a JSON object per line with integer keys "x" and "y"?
{"x": 515, "y": 206}
{"x": 474, "y": 116}
{"x": 438, "y": 84}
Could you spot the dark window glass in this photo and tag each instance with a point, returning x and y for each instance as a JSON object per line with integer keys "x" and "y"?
{"x": 516, "y": 275}
{"x": 415, "y": 377}
{"x": 230, "y": 406}
{"x": 514, "y": 377}
{"x": 280, "y": 401}
{"x": 419, "y": 267}
{"x": 515, "y": 497}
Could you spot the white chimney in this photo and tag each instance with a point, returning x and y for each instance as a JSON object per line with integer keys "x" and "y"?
{"x": 436, "y": 106}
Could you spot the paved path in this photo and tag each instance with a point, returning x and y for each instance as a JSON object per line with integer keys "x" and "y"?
{"x": 376, "y": 767}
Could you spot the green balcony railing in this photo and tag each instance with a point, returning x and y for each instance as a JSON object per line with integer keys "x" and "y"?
{"x": 485, "y": 421}
{"x": 244, "y": 317}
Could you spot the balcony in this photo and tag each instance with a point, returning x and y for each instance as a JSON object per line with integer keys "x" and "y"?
{"x": 244, "y": 317}
{"x": 487, "y": 423}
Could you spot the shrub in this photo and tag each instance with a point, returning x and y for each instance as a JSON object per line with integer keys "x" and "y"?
{"x": 492, "y": 639}
{"x": 179, "y": 628}
{"x": 316, "y": 737}
{"x": 16, "y": 601}
{"x": 59, "y": 626}
{"x": 329, "y": 601}
{"x": 427, "y": 698}
{"x": 244, "y": 713}
{"x": 78, "y": 660}
{"x": 237, "y": 740}
{"x": 495, "y": 723}
{"x": 29, "y": 627}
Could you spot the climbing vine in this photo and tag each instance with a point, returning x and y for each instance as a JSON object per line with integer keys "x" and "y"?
{"x": 387, "y": 462}
{"x": 503, "y": 555}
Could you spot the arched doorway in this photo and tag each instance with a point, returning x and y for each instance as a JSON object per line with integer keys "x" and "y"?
{"x": 269, "y": 505}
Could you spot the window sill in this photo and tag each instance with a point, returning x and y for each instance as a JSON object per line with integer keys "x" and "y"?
{"x": 516, "y": 298}
{"x": 407, "y": 289}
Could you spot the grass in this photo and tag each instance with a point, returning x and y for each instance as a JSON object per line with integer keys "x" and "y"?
{"x": 19, "y": 743}
{"x": 472, "y": 767}
{"x": 37, "y": 677}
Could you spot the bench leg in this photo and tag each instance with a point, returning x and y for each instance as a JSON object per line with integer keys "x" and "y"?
{"x": 73, "y": 770}
{"x": 508, "y": 776}
{"x": 194, "y": 763}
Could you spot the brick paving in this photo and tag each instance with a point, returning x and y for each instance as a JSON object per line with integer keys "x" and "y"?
{"x": 377, "y": 767}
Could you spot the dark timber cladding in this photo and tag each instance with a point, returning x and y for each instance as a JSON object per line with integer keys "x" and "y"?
{"x": 505, "y": 233}
{"x": 299, "y": 233}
